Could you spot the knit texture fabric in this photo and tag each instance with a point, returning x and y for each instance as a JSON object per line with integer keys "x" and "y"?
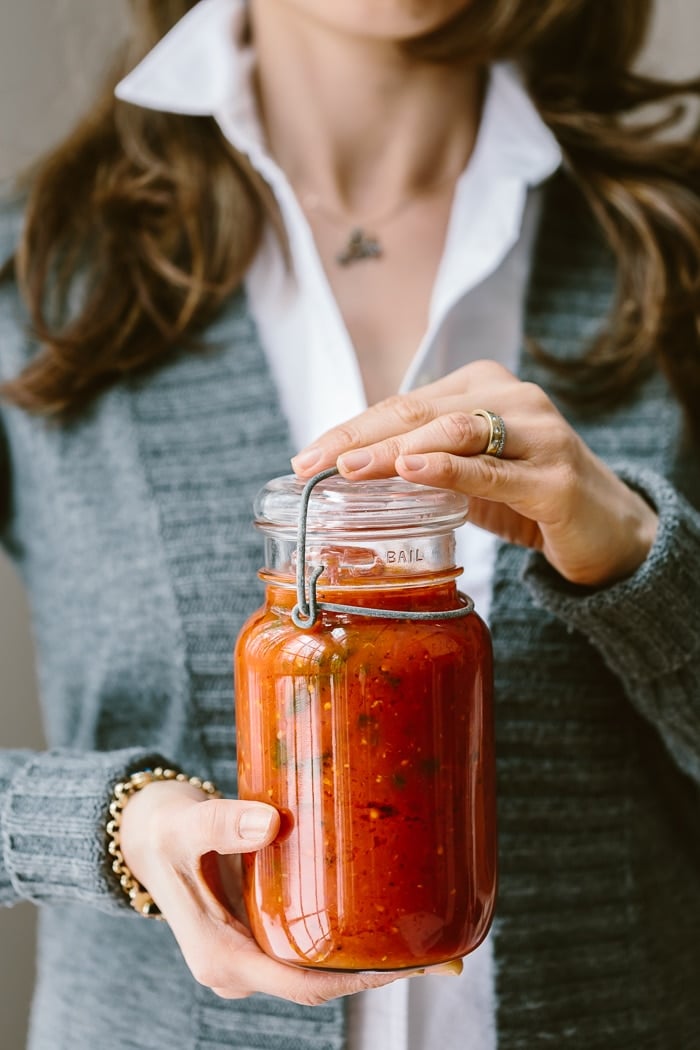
{"x": 598, "y": 819}
{"x": 132, "y": 530}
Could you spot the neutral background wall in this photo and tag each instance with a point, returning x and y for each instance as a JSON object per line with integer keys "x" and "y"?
{"x": 51, "y": 54}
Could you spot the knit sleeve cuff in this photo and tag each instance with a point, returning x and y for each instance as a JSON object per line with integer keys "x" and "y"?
{"x": 53, "y": 821}
{"x": 644, "y": 626}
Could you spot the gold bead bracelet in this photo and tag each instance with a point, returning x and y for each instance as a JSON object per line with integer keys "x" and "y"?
{"x": 139, "y": 898}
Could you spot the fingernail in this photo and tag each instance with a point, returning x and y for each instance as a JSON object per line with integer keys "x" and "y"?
{"x": 308, "y": 458}
{"x": 355, "y": 460}
{"x": 450, "y": 969}
{"x": 412, "y": 462}
{"x": 255, "y": 824}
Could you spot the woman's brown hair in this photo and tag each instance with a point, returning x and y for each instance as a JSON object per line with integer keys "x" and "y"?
{"x": 159, "y": 217}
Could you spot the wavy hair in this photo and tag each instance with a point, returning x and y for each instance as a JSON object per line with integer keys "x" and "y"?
{"x": 159, "y": 217}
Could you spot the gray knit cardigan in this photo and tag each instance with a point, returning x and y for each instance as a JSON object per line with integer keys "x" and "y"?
{"x": 132, "y": 531}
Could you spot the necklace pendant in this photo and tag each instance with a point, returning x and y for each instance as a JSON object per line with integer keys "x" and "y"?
{"x": 359, "y": 246}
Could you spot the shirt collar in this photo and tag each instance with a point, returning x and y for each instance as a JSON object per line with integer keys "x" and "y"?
{"x": 200, "y": 68}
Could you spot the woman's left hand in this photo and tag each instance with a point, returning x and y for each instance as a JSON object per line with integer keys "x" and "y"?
{"x": 547, "y": 491}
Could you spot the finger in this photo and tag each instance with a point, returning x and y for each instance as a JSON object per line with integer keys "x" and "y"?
{"x": 515, "y": 482}
{"x": 228, "y": 826}
{"x": 396, "y": 415}
{"x": 223, "y": 956}
{"x": 458, "y": 433}
{"x": 237, "y": 970}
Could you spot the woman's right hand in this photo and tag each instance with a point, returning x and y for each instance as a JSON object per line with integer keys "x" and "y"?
{"x": 184, "y": 847}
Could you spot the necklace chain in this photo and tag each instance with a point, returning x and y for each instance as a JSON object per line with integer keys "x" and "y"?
{"x": 312, "y": 202}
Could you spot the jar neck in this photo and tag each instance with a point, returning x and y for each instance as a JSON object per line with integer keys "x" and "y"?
{"x": 359, "y": 562}
{"x": 422, "y": 595}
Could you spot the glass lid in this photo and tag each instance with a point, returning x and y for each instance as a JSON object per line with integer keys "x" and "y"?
{"x": 341, "y": 506}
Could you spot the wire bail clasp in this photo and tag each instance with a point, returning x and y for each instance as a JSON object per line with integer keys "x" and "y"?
{"x": 305, "y": 612}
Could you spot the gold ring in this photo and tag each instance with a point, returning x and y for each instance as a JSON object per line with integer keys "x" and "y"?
{"x": 497, "y": 432}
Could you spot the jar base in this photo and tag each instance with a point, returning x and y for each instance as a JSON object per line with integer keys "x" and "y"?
{"x": 413, "y": 967}
{"x": 370, "y": 966}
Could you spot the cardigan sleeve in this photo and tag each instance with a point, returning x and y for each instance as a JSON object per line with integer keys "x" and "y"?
{"x": 54, "y": 806}
{"x": 53, "y": 811}
{"x": 645, "y": 626}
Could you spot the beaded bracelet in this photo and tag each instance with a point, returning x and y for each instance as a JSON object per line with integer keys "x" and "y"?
{"x": 139, "y": 897}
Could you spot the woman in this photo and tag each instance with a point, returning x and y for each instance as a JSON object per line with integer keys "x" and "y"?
{"x": 208, "y": 295}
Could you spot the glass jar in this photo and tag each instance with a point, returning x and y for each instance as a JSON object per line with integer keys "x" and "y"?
{"x": 373, "y": 737}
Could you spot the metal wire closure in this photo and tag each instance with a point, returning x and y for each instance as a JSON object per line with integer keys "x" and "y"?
{"x": 305, "y": 612}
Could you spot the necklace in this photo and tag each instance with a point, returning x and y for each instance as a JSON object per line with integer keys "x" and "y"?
{"x": 360, "y": 243}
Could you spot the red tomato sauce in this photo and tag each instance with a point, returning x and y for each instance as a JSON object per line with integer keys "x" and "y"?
{"x": 374, "y": 739}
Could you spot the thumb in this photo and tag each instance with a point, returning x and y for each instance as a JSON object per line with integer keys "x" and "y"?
{"x": 231, "y": 825}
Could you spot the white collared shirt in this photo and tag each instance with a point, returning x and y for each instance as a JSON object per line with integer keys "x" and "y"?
{"x": 476, "y": 311}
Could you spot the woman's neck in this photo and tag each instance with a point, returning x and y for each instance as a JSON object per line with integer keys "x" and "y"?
{"x": 354, "y": 121}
